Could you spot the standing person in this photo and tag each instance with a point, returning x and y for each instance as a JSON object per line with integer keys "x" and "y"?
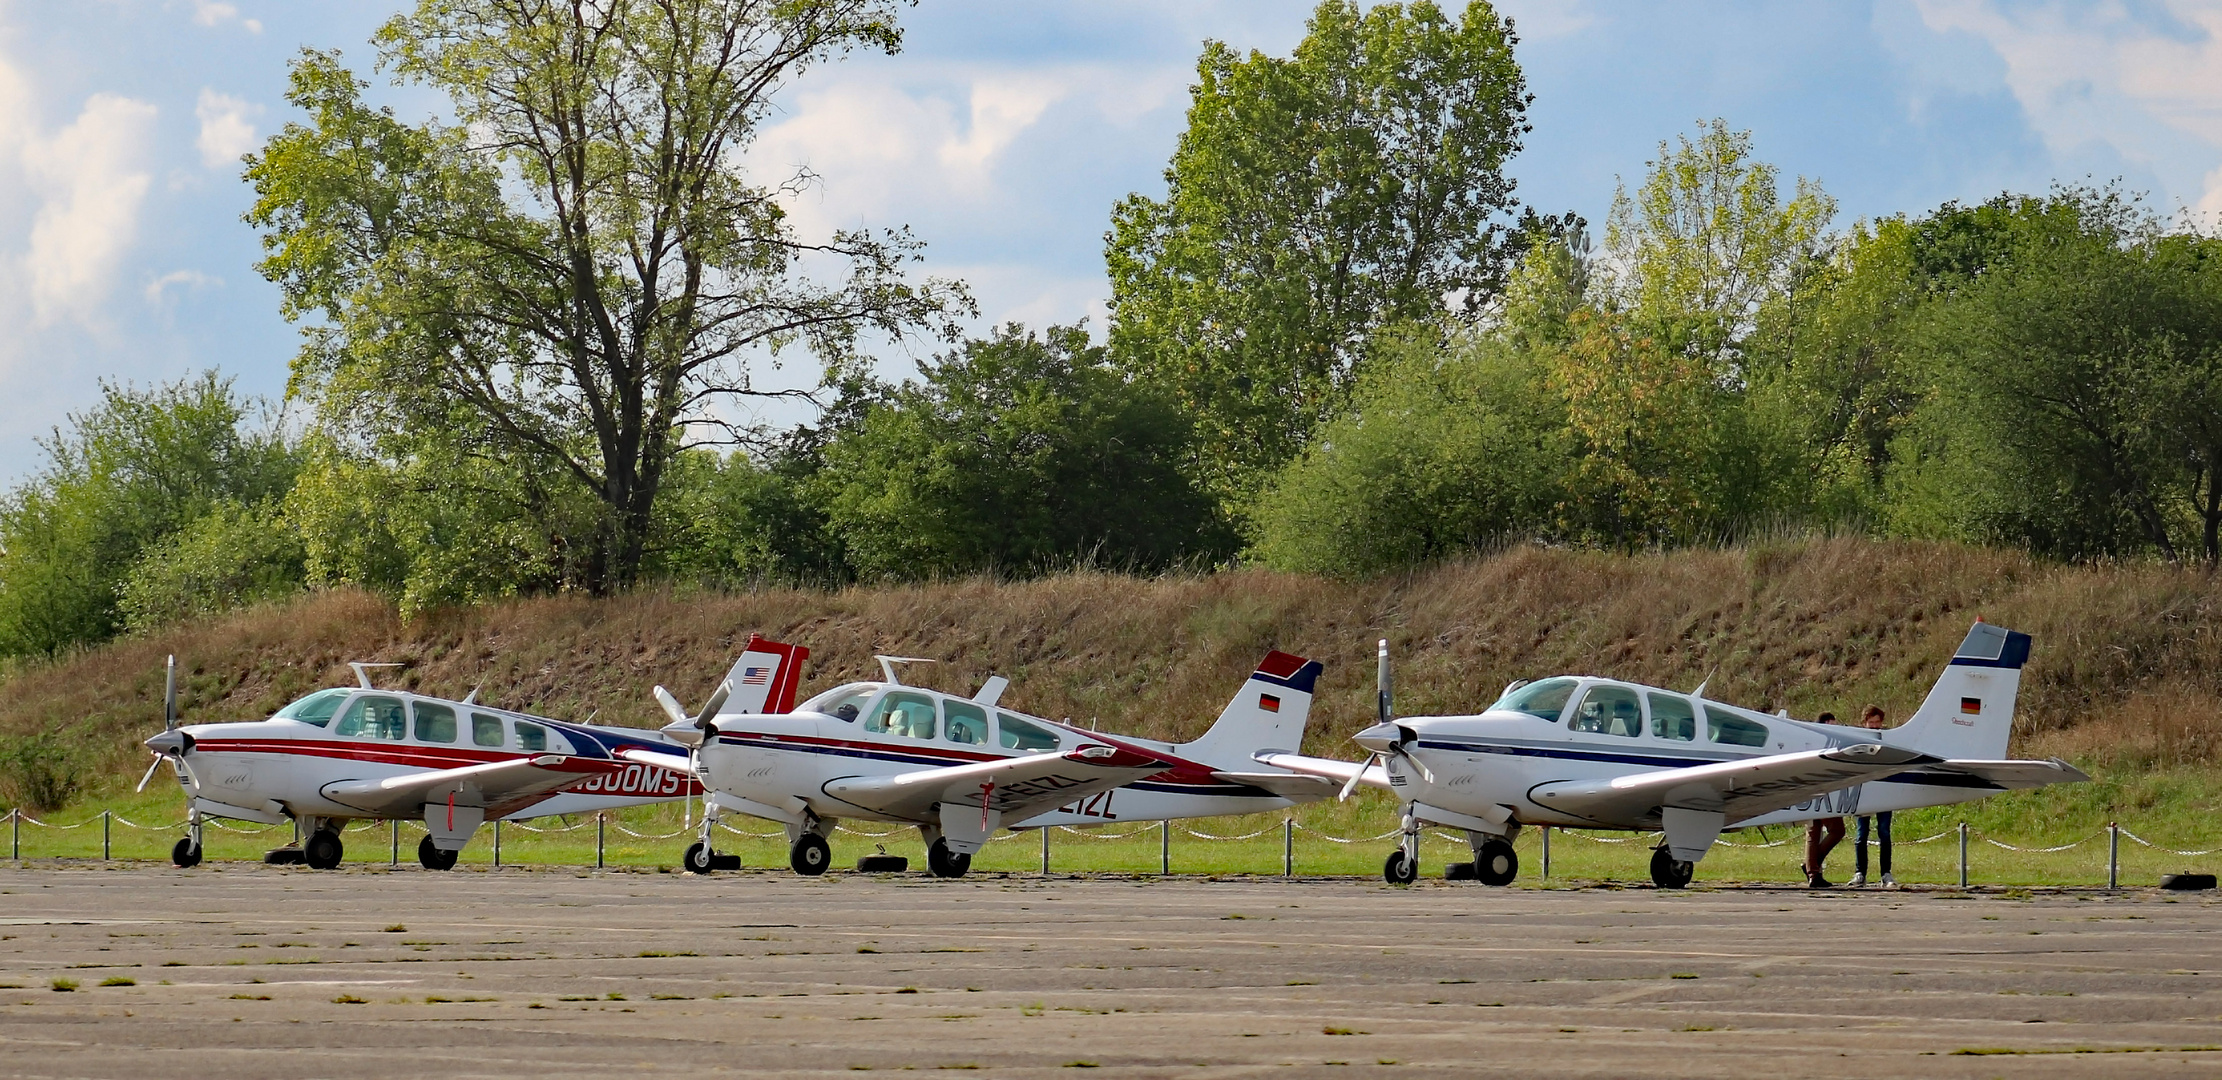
{"x": 1873, "y": 719}
{"x": 1821, "y": 837}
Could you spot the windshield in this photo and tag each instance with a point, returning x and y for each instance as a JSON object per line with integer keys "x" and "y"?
{"x": 317, "y": 708}
{"x": 1540, "y": 699}
{"x": 830, "y": 703}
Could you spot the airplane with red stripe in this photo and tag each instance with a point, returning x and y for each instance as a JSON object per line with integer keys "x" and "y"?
{"x": 362, "y": 753}
{"x": 959, "y": 768}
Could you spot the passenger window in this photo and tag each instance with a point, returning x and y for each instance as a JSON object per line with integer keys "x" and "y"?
{"x": 373, "y": 717}
{"x": 485, "y": 730}
{"x": 1543, "y": 699}
{"x": 964, "y": 722}
{"x": 435, "y": 723}
{"x": 1672, "y": 717}
{"x": 1610, "y": 710}
{"x": 1017, "y": 734}
{"x": 1725, "y": 727}
{"x": 908, "y": 715}
{"x": 532, "y": 737}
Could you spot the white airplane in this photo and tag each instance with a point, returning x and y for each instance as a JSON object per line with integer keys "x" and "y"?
{"x": 959, "y": 768}
{"x": 1586, "y": 752}
{"x": 351, "y": 753}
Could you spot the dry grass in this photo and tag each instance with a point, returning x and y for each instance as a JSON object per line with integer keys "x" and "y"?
{"x": 2127, "y": 664}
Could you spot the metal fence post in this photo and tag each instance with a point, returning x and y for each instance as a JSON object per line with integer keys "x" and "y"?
{"x": 1963, "y": 854}
{"x": 1288, "y": 847}
{"x": 397, "y": 841}
{"x": 1045, "y": 849}
{"x": 1165, "y": 847}
{"x": 2113, "y": 855}
{"x": 497, "y": 841}
{"x": 15, "y": 829}
{"x": 599, "y": 820}
{"x": 1546, "y": 851}
{"x": 105, "y": 816}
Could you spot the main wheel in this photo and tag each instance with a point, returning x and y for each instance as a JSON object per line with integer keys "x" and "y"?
{"x": 186, "y": 853}
{"x": 943, "y": 863}
{"x": 323, "y": 850}
{"x": 1400, "y": 869}
{"x": 1668, "y": 872}
{"x": 431, "y": 857}
{"x": 1496, "y": 863}
{"x": 811, "y": 855}
{"x": 699, "y": 859}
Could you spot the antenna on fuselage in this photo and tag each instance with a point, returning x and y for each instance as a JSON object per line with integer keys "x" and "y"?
{"x": 362, "y": 672}
{"x": 1699, "y": 693}
{"x": 472, "y": 697}
{"x": 887, "y": 665}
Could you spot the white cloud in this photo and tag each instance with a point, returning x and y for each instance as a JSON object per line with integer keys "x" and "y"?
{"x": 91, "y": 183}
{"x": 227, "y": 128}
{"x": 184, "y": 280}
{"x": 217, "y": 13}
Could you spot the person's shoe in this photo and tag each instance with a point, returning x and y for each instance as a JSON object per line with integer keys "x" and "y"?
{"x": 1889, "y": 882}
{"x": 1859, "y": 879}
{"x": 1816, "y": 881}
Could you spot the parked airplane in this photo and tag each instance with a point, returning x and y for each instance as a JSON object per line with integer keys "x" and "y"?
{"x": 1586, "y": 752}
{"x": 358, "y": 752}
{"x": 960, "y": 768}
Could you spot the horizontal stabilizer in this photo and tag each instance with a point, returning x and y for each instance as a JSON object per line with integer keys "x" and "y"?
{"x": 1295, "y": 787}
{"x": 2016, "y": 775}
{"x": 1337, "y": 773}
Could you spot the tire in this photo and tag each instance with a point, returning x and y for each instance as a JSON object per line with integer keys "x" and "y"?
{"x": 883, "y": 864}
{"x": 1400, "y": 869}
{"x": 186, "y": 854}
{"x": 431, "y": 857}
{"x": 1458, "y": 871}
{"x": 323, "y": 850}
{"x": 1667, "y": 872}
{"x": 699, "y": 859}
{"x": 1496, "y": 863}
{"x": 941, "y": 863}
{"x": 811, "y": 855}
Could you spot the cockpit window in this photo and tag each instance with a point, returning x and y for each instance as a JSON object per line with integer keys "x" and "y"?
{"x": 903, "y": 713}
{"x": 1540, "y": 699}
{"x": 435, "y": 722}
{"x": 1017, "y": 734}
{"x": 317, "y": 708}
{"x": 964, "y": 722}
{"x": 1672, "y": 717}
{"x": 1609, "y": 710}
{"x": 1727, "y": 727}
{"x": 843, "y": 702}
{"x": 372, "y": 716}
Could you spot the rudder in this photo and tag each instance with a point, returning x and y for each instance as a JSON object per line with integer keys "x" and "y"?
{"x": 765, "y": 678}
{"x": 1969, "y": 713}
{"x": 1268, "y": 713}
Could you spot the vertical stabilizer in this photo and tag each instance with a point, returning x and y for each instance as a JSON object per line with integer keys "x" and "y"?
{"x": 1268, "y": 713}
{"x": 765, "y": 678}
{"x": 1970, "y": 712}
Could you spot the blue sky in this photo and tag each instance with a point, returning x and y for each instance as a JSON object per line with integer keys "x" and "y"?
{"x": 1005, "y": 130}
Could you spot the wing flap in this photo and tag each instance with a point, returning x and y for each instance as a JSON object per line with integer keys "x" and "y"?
{"x": 1015, "y": 787}
{"x": 1739, "y": 790}
{"x": 498, "y": 786}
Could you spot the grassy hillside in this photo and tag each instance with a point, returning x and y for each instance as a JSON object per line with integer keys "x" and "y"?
{"x": 2125, "y": 673}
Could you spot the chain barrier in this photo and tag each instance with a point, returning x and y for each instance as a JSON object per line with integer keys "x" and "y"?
{"x": 1301, "y": 827}
{"x": 2041, "y": 850}
{"x": 1244, "y": 836}
{"x": 2170, "y": 850}
{"x": 1093, "y": 834}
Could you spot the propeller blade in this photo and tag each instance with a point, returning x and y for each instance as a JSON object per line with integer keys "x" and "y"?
{"x": 169, "y": 695}
{"x": 156, "y": 764}
{"x": 710, "y": 708}
{"x": 1382, "y": 683}
{"x": 671, "y": 706}
{"x": 1416, "y": 766}
{"x": 1355, "y": 777}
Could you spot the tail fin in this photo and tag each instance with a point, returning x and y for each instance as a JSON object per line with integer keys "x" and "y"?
{"x": 765, "y": 678}
{"x": 1970, "y": 712}
{"x": 1268, "y": 713}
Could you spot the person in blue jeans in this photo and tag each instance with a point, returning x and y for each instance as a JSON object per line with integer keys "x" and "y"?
{"x": 1873, "y": 718}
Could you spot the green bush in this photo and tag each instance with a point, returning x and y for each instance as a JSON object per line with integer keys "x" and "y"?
{"x": 232, "y": 557}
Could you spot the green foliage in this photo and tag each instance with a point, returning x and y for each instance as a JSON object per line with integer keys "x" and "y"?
{"x": 1018, "y": 453}
{"x": 44, "y": 770}
{"x": 231, "y": 556}
{"x": 1312, "y": 201}
{"x": 1444, "y": 449}
{"x": 127, "y": 474}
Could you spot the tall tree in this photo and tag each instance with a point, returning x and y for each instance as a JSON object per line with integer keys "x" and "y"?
{"x": 1313, "y": 200}
{"x": 577, "y": 267}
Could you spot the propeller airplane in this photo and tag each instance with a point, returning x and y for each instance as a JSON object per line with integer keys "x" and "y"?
{"x": 355, "y": 753}
{"x": 1580, "y": 751}
{"x": 959, "y": 768}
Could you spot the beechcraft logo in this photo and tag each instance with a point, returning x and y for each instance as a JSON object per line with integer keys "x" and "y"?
{"x": 1269, "y": 703}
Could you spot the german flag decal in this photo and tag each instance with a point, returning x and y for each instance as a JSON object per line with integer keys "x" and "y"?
{"x": 1972, "y": 706}
{"x": 1269, "y": 703}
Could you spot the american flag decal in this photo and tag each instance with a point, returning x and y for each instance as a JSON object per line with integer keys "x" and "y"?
{"x": 1269, "y": 703}
{"x": 756, "y": 676}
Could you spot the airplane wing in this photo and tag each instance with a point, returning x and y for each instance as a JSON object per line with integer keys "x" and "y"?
{"x": 501, "y": 787}
{"x": 1016, "y": 787}
{"x": 1741, "y": 789}
{"x": 1328, "y": 769}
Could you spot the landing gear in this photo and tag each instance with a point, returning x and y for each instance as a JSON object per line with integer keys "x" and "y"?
{"x": 811, "y": 855}
{"x": 943, "y": 863}
{"x": 323, "y": 850}
{"x": 431, "y": 857}
{"x": 1400, "y": 869}
{"x": 697, "y": 859}
{"x": 186, "y": 854}
{"x": 1495, "y": 863}
{"x": 1668, "y": 872}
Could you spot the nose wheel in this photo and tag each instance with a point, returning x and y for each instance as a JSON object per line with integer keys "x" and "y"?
{"x": 1403, "y": 865}
{"x": 186, "y": 854}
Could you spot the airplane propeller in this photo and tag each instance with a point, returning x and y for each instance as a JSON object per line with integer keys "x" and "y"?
{"x": 1386, "y": 738}
{"x": 172, "y": 745}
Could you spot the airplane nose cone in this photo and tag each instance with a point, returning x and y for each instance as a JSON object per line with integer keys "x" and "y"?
{"x": 1381, "y": 737}
{"x": 170, "y": 742}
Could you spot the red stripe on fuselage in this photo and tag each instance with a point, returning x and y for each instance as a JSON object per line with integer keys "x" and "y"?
{"x": 1183, "y": 771}
{"x": 423, "y": 757}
